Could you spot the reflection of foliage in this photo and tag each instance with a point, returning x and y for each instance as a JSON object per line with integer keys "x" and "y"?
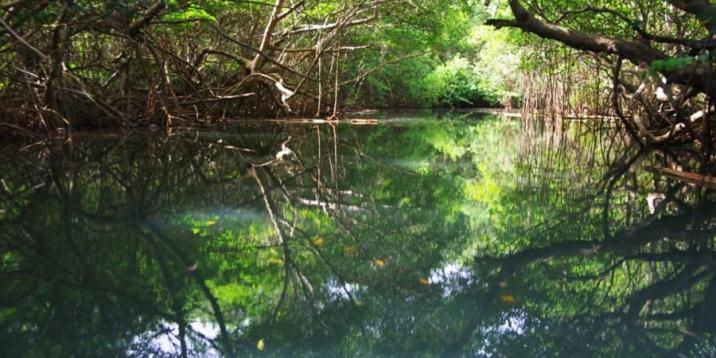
{"x": 153, "y": 235}
{"x": 590, "y": 263}
{"x": 362, "y": 243}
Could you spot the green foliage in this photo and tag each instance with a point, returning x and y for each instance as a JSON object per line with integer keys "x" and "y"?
{"x": 321, "y": 10}
{"x": 449, "y": 83}
{"x": 459, "y": 62}
{"x": 497, "y": 62}
{"x": 192, "y": 12}
{"x": 455, "y": 84}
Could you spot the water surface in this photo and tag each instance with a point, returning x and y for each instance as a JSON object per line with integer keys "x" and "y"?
{"x": 426, "y": 234}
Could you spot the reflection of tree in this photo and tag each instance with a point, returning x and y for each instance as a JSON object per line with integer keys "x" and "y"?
{"x": 353, "y": 237}
{"x": 645, "y": 285}
{"x": 82, "y": 256}
{"x": 153, "y": 236}
{"x": 360, "y": 242}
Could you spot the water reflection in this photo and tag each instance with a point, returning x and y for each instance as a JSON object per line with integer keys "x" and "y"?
{"x": 459, "y": 235}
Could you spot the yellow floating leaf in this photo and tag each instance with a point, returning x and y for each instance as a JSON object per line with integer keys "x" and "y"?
{"x": 424, "y": 281}
{"x": 379, "y": 262}
{"x": 508, "y": 299}
{"x": 319, "y": 242}
{"x": 261, "y": 344}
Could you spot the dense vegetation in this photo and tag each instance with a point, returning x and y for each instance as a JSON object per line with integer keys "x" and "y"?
{"x": 459, "y": 235}
{"x": 90, "y": 63}
{"x": 651, "y": 66}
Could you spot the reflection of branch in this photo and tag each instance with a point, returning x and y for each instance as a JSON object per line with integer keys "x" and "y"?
{"x": 288, "y": 261}
{"x": 687, "y": 177}
{"x": 681, "y": 282}
{"x": 269, "y": 205}
{"x": 623, "y": 243}
{"x": 692, "y": 268}
{"x": 284, "y": 245}
{"x": 322, "y": 257}
{"x": 173, "y": 295}
{"x": 199, "y": 281}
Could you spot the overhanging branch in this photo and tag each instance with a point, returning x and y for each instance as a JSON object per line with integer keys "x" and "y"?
{"x": 637, "y": 52}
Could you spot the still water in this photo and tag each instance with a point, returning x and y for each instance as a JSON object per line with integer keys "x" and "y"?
{"x": 425, "y": 234}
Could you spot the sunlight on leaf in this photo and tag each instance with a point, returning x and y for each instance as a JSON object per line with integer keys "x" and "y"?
{"x": 508, "y": 299}
{"x": 424, "y": 281}
{"x": 261, "y": 344}
{"x": 379, "y": 262}
{"x": 503, "y": 284}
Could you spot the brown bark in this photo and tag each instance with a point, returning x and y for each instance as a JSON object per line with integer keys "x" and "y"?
{"x": 274, "y": 19}
{"x": 637, "y": 52}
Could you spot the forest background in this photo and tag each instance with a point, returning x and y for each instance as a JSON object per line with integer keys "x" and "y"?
{"x": 76, "y": 63}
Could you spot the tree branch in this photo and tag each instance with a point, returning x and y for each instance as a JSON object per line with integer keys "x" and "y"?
{"x": 153, "y": 12}
{"x": 696, "y": 75}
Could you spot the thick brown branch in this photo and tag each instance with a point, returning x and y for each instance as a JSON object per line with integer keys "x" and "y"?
{"x": 639, "y": 53}
{"x": 274, "y": 19}
{"x": 633, "y": 24}
{"x": 634, "y": 51}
